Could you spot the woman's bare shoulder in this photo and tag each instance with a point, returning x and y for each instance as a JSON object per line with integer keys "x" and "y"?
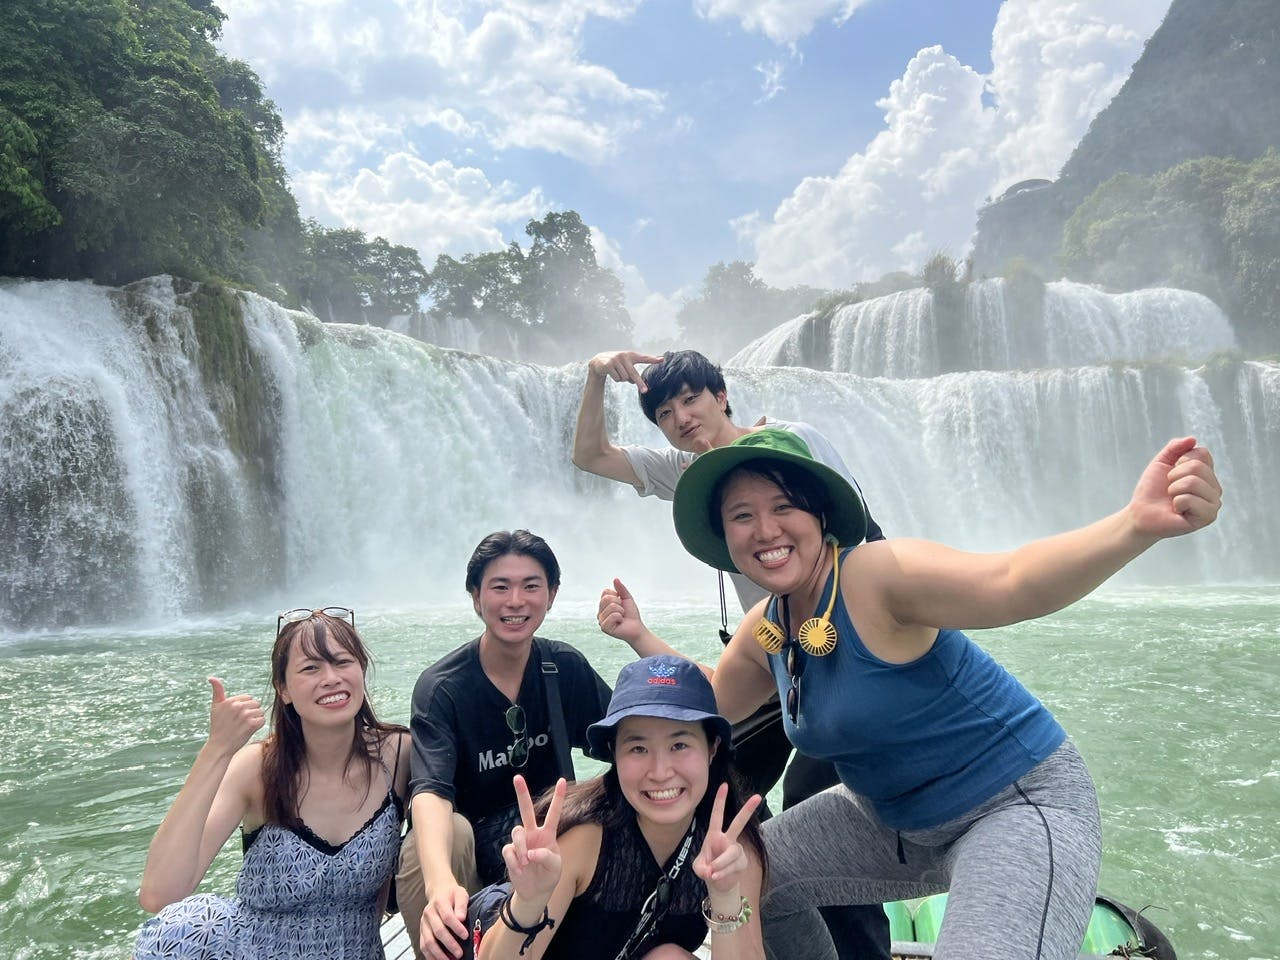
{"x": 579, "y": 853}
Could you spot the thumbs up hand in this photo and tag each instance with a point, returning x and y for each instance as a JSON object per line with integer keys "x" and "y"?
{"x": 233, "y": 720}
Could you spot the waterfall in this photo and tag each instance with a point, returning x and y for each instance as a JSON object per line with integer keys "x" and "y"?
{"x": 169, "y": 453}
{"x": 457, "y": 332}
{"x": 999, "y": 328}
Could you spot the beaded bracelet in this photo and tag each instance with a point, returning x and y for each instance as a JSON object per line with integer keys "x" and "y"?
{"x": 530, "y": 932}
{"x": 721, "y": 923}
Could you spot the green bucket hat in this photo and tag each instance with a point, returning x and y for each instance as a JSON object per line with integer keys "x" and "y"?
{"x": 692, "y": 508}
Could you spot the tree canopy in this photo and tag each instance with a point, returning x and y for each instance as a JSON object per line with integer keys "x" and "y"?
{"x": 1210, "y": 225}
{"x": 555, "y": 299}
{"x": 130, "y": 145}
{"x": 734, "y": 307}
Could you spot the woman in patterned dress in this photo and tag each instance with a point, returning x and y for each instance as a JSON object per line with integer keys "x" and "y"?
{"x": 319, "y": 803}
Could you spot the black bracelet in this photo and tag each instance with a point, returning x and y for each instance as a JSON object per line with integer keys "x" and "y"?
{"x": 530, "y": 933}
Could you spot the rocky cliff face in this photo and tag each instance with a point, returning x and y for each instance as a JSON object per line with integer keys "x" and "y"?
{"x": 1204, "y": 86}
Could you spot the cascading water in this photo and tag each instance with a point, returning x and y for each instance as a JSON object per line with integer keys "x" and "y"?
{"x": 1069, "y": 325}
{"x": 157, "y": 462}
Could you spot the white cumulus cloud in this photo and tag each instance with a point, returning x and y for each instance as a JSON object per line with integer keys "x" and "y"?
{"x": 782, "y": 21}
{"x": 916, "y": 186}
{"x": 513, "y": 71}
{"x": 433, "y": 207}
{"x": 920, "y": 172}
{"x": 364, "y": 83}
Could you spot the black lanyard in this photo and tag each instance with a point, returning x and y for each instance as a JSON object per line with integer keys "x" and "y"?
{"x": 655, "y": 907}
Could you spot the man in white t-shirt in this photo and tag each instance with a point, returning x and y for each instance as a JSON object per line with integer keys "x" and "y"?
{"x": 684, "y": 395}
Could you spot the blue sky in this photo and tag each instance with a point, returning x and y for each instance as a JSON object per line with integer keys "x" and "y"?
{"x": 827, "y": 141}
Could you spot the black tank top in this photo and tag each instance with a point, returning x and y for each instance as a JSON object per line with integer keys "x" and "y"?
{"x": 600, "y": 921}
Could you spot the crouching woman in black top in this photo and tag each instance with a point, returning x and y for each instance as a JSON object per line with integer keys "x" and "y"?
{"x": 642, "y": 861}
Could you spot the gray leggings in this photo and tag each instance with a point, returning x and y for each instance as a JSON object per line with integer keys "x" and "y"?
{"x": 1021, "y": 868}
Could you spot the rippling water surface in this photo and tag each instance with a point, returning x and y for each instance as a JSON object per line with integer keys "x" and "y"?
{"x": 1173, "y": 696}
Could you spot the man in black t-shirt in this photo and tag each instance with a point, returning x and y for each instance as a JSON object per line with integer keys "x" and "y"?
{"x": 480, "y": 715}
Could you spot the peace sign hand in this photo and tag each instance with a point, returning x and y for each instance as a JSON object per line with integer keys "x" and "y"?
{"x": 233, "y": 720}
{"x": 722, "y": 862}
{"x": 533, "y": 855}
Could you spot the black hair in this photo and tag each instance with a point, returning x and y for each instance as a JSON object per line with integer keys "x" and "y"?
{"x": 600, "y": 800}
{"x": 679, "y": 369}
{"x": 798, "y": 485}
{"x": 503, "y": 542}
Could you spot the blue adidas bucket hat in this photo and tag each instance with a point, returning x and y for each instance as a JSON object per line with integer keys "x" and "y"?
{"x": 664, "y": 686}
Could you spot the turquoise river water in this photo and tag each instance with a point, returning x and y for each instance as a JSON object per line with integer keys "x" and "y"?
{"x": 1171, "y": 694}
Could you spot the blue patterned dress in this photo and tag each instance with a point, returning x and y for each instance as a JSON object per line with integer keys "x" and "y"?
{"x": 298, "y": 897}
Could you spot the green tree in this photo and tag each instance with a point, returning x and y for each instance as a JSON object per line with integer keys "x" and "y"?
{"x": 23, "y": 206}
{"x": 1208, "y": 225}
{"x": 569, "y": 295}
{"x": 1251, "y": 229}
{"x": 555, "y": 301}
{"x": 485, "y": 288}
{"x": 155, "y": 152}
{"x": 348, "y": 277}
{"x": 734, "y": 307}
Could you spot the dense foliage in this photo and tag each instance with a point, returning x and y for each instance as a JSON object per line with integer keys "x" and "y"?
{"x": 1132, "y": 207}
{"x": 1210, "y": 225}
{"x": 345, "y": 276}
{"x": 130, "y": 146}
{"x": 554, "y": 302}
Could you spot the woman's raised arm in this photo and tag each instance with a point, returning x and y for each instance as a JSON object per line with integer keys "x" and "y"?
{"x": 928, "y": 584}
{"x": 214, "y": 798}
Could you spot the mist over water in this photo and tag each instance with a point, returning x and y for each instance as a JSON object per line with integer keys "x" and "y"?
{"x": 385, "y": 459}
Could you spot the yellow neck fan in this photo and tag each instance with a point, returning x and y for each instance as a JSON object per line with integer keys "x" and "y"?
{"x": 817, "y": 635}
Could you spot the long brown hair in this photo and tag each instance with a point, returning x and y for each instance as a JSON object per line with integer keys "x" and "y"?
{"x": 600, "y": 801}
{"x": 284, "y": 752}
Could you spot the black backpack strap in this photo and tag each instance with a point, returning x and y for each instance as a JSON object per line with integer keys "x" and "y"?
{"x": 559, "y": 734}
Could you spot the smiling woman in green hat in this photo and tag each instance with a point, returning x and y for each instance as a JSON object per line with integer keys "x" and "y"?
{"x": 953, "y": 776}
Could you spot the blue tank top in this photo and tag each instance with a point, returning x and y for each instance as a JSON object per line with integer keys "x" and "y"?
{"x": 923, "y": 741}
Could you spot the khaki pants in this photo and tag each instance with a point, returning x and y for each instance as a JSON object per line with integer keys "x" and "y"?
{"x": 411, "y": 888}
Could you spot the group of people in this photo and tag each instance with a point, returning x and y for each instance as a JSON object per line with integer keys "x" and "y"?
{"x": 923, "y": 765}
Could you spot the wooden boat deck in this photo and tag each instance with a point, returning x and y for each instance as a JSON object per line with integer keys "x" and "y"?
{"x": 395, "y": 942}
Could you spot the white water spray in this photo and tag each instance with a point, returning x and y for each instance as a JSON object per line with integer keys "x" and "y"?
{"x": 387, "y": 459}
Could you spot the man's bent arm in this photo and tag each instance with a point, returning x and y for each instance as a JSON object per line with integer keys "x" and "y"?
{"x": 592, "y": 449}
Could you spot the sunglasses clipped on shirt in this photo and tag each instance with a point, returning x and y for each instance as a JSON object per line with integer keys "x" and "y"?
{"x": 299, "y": 614}
{"x": 795, "y": 660}
{"x": 519, "y": 749}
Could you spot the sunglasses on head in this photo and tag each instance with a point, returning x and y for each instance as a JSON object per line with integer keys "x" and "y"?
{"x": 519, "y": 749}
{"x": 299, "y": 614}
